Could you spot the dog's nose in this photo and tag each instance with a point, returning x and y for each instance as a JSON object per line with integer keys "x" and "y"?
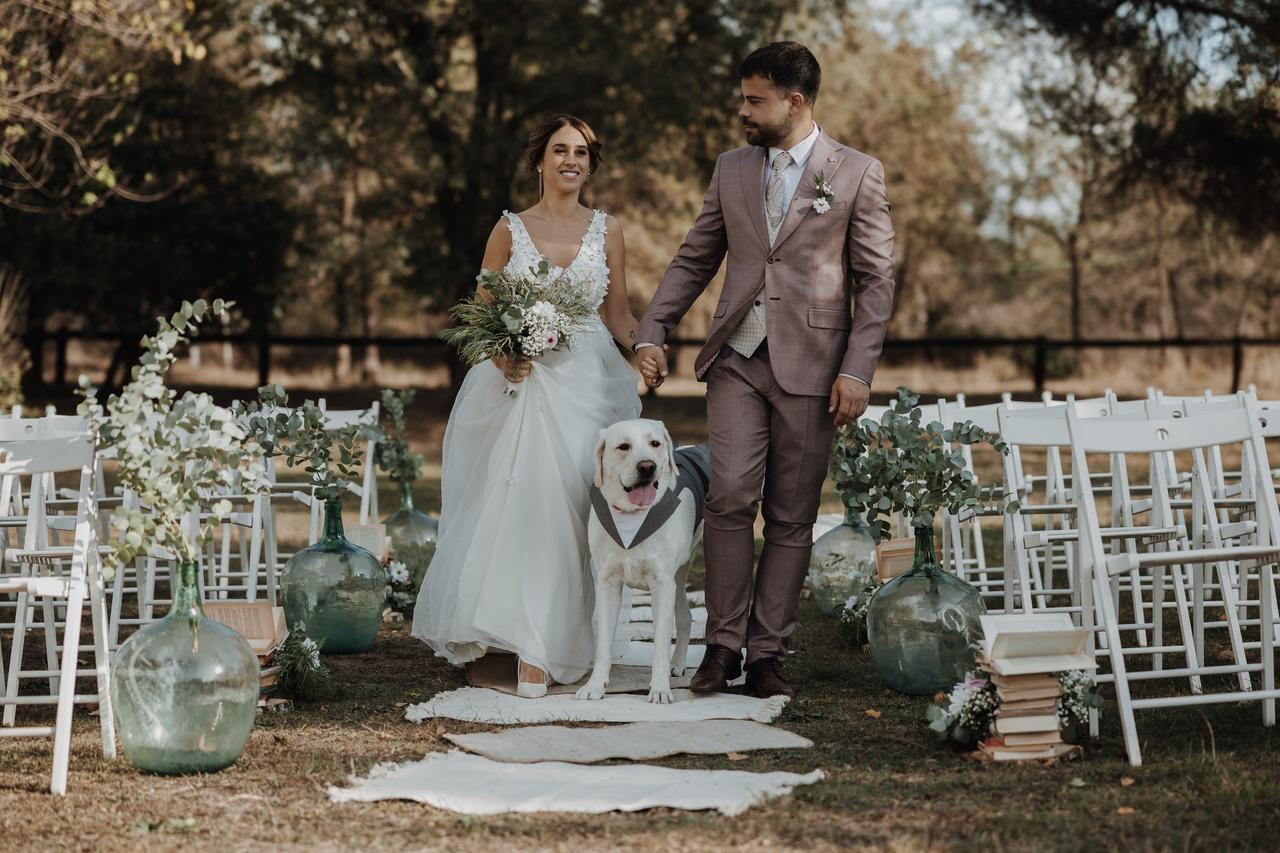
{"x": 646, "y": 468}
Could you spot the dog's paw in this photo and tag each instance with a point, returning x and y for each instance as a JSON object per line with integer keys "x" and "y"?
{"x": 677, "y": 670}
{"x": 661, "y": 695}
{"x": 591, "y": 690}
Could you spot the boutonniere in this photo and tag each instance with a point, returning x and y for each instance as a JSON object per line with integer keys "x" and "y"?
{"x": 822, "y": 203}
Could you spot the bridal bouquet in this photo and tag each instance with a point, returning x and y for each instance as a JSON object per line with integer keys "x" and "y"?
{"x": 518, "y": 316}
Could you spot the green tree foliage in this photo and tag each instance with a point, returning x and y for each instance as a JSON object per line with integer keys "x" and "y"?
{"x": 1201, "y": 80}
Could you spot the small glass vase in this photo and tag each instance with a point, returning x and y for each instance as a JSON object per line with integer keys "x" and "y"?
{"x": 842, "y": 563}
{"x": 922, "y": 624}
{"x": 412, "y": 535}
{"x": 185, "y": 689}
{"x": 335, "y": 589}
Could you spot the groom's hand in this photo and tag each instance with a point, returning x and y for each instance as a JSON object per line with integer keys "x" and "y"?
{"x": 849, "y": 399}
{"x": 653, "y": 364}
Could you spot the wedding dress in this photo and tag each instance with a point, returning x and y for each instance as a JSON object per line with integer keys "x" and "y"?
{"x": 511, "y": 570}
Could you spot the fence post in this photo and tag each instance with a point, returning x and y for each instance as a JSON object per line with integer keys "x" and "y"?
{"x": 1040, "y": 365}
{"x": 264, "y": 359}
{"x": 60, "y": 359}
{"x": 1237, "y": 363}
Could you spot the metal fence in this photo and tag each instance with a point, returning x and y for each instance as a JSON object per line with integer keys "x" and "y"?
{"x": 1036, "y": 351}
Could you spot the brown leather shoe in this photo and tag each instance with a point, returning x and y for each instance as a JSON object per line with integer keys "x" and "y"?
{"x": 720, "y": 665}
{"x": 764, "y": 676}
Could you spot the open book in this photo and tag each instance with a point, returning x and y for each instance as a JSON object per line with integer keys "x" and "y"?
{"x": 257, "y": 621}
{"x": 1027, "y": 643}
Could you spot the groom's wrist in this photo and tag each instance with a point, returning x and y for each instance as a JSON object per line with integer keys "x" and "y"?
{"x": 636, "y": 347}
{"x": 848, "y": 376}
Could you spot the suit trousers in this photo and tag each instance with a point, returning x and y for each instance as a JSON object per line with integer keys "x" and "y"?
{"x": 771, "y": 446}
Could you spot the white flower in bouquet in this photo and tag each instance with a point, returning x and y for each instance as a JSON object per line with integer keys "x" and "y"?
{"x": 398, "y": 572}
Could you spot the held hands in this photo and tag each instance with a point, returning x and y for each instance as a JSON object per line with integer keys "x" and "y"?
{"x": 849, "y": 400}
{"x": 653, "y": 365}
{"x": 516, "y": 370}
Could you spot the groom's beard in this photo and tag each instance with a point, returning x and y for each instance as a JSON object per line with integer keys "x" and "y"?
{"x": 768, "y": 136}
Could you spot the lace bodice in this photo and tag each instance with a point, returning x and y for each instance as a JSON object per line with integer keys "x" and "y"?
{"x": 588, "y": 270}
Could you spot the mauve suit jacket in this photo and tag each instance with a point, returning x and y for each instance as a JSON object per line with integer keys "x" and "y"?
{"x": 817, "y": 266}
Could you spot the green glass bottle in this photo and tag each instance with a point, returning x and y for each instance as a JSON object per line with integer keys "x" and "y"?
{"x": 185, "y": 689}
{"x": 336, "y": 589}
{"x": 842, "y": 563}
{"x": 922, "y": 624}
{"x": 412, "y": 535}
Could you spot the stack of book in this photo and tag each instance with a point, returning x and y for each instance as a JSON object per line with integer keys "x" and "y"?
{"x": 263, "y": 627}
{"x": 1023, "y": 655}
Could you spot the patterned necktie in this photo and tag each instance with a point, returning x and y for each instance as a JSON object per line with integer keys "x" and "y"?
{"x": 746, "y": 339}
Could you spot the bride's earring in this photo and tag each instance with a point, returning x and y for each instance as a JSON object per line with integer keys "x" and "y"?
{"x": 539, "y": 183}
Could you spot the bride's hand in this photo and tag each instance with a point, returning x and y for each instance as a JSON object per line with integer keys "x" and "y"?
{"x": 516, "y": 370}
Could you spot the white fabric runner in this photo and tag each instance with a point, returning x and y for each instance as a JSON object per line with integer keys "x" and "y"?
{"x": 633, "y": 741}
{"x": 471, "y": 784}
{"x": 477, "y": 705}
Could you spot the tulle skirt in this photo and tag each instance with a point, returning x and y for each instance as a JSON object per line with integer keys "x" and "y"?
{"x": 511, "y": 570}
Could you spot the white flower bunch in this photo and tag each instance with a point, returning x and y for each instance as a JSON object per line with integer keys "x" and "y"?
{"x": 545, "y": 329}
{"x": 966, "y": 711}
{"x": 174, "y": 453}
{"x": 398, "y": 572}
{"x": 1079, "y": 694}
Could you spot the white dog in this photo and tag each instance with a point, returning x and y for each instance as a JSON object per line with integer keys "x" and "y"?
{"x": 646, "y": 518}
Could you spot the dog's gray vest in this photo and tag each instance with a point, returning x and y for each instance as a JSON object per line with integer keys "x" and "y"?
{"x": 693, "y": 469}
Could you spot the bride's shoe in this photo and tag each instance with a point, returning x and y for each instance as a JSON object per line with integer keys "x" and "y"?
{"x": 531, "y": 681}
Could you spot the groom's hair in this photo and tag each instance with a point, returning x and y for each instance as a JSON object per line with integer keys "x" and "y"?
{"x": 789, "y": 65}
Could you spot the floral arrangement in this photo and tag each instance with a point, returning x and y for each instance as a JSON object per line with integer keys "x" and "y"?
{"x": 964, "y": 714}
{"x": 302, "y": 674}
{"x": 518, "y": 316}
{"x": 902, "y": 465}
{"x": 852, "y": 617}
{"x": 1079, "y": 694}
{"x": 175, "y": 453}
{"x": 402, "y": 587}
{"x": 822, "y": 188}
{"x": 392, "y": 450}
{"x": 301, "y": 437}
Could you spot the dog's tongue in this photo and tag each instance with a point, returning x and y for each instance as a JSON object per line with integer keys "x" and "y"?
{"x": 643, "y": 495}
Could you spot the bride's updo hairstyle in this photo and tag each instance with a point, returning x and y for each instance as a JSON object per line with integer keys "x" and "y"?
{"x": 536, "y": 149}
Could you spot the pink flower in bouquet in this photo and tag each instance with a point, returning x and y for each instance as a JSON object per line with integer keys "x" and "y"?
{"x": 552, "y": 340}
{"x": 973, "y": 682}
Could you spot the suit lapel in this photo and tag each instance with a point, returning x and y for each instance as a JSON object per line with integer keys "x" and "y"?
{"x": 825, "y": 157}
{"x": 752, "y": 175}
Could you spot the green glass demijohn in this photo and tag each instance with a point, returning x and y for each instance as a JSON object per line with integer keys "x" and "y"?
{"x": 412, "y": 535}
{"x": 184, "y": 689}
{"x": 335, "y": 589}
{"x": 921, "y": 625}
{"x": 842, "y": 563}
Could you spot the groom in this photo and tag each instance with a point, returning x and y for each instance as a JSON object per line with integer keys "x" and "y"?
{"x": 805, "y": 224}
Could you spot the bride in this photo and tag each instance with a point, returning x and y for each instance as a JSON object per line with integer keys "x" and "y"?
{"x": 511, "y": 570}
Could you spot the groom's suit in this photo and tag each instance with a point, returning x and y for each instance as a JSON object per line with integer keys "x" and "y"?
{"x": 769, "y": 428}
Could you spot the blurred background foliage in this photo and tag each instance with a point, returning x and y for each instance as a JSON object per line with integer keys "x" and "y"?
{"x": 1058, "y": 167}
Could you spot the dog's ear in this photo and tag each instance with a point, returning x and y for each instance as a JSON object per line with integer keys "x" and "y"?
{"x": 671, "y": 450}
{"x": 600, "y": 459}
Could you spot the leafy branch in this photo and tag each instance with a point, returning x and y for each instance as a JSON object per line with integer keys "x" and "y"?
{"x": 903, "y": 465}
{"x": 392, "y": 450}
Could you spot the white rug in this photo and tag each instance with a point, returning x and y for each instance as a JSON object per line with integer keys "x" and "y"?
{"x": 639, "y": 596}
{"x": 640, "y": 653}
{"x": 644, "y": 613}
{"x": 633, "y": 741}
{"x": 477, "y": 705}
{"x": 474, "y": 785}
{"x": 644, "y": 631}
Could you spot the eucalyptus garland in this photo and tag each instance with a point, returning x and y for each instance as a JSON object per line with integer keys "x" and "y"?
{"x": 392, "y": 450}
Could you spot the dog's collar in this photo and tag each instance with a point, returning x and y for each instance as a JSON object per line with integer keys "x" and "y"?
{"x": 659, "y": 511}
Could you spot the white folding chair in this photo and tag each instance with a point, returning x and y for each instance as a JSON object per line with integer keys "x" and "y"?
{"x": 56, "y": 573}
{"x": 1156, "y": 439}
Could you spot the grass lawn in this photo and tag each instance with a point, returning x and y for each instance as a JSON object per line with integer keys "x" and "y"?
{"x": 1211, "y": 779}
